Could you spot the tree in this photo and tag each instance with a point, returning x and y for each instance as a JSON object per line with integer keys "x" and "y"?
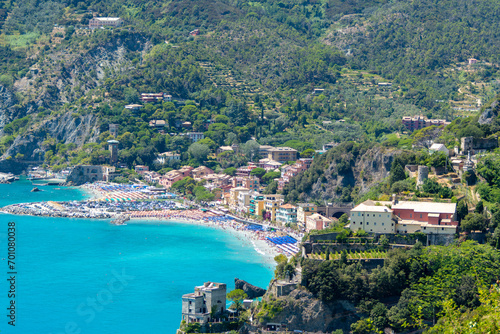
{"x": 327, "y": 254}
{"x": 479, "y": 207}
{"x": 237, "y": 296}
{"x": 230, "y": 171}
{"x": 250, "y": 149}
{"x": 474, "y": 221}
{"x": 344, "y": 219}
{"x": 462, "y": 210}
{"x": 259, "y": 172}
{"x": 309, "y": 153}
{"x": 199, "y": 152}
{"x": 397, "y": 174}
{"x": 270, "y": 176}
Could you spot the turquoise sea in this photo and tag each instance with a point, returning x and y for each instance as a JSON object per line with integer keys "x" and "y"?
{"x": 84, "y": 276}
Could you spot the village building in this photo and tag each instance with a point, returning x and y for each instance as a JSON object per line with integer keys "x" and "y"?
{"x": 166, "y": 157}
{"x": 420, "y": 122}
{"x": 90, "y": 173}
{"x": 224, "y": 149}
{"x": 200, "y": 172}
{"x": 282, "y": 154}
{"x": 269, "y": 165}
{"x": 133, "y": 107}
{"x": 99, "y": 22}
{"x": 287, "y": 214}
{"x": 439, "y": 148}
{"x": 208, "y": 298}
{"x": 249, "y": 182}
{"x": 245, "y": 170}
{"x": 232, "y": 199}
{"x": 304, "y": 210}
{"x": 140, "y": 169}
{"x": 404, "y": 217}
{"x": 264, "y": 150}
{"x": 194, "y": 136}
{"x": 317, "y": 222}
{"x": 175, "y": 175}
{"x": 272, "y": 202}
{"x": 157, "y": 124}
{"x": 289, "y": 171}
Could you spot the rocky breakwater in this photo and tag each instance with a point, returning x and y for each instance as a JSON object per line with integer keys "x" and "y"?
{"x": 53, "y": 209}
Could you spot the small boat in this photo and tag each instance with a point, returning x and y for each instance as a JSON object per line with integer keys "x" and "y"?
{"x": 35, "y": 189}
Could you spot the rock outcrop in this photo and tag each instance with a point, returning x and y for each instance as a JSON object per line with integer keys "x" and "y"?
{"x": 489, "y": 113}
{"x": 358, "y": 172}
{"x": 252, "y": 291}
{"x": 302, "y": 311}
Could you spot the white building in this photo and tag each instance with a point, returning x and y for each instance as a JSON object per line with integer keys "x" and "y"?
{"x": 372, "y": 218}
{"x": 165, "y": 157}
{"x": 439, "y": 148}
{"x": 404, "y": 217}
{"x": 98, "y": 22}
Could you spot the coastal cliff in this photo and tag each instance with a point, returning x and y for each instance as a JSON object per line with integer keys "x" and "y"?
{"x": 343, "y": 173}
{"x": 300, "y": 310}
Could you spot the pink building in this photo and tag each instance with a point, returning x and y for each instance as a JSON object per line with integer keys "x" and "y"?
{"x": 140, "y": 169}
{"x": 419, "y": 122}
{"x": 201, "y": 171}
{"x": 428, "y": 217}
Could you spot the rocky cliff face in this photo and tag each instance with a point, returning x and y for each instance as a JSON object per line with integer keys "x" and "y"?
{"x": 65, "y": 129}
{"x": 63, "y": 77}
{"x": 302, "y": 311}
{"x": 489, "y": 113}
{"x": 359, "y": 172}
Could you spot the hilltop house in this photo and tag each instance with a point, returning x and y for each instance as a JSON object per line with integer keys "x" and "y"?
{"x": 98, "y": 22}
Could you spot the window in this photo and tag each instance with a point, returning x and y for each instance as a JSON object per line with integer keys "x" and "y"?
{"x": 353, "y": 214}
{"x": 410, "y": 215}
{"x": 382, "y": 224}
{"x": 354, "y": 223}
{"x": 380, "y": 215}
{"x": 359, "y": 214}
{"x": 425, "y": 228}
{"x": 420, "y": 215}
{"x": 374, "y": 224}
{"x": 367, "y": 223}
{"x": 442, "y": 228}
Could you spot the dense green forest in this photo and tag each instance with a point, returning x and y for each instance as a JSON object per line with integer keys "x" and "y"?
{"x": 426, "y": 282}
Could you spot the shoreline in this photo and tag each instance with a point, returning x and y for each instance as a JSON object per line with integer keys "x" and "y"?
{"x": 237, "y": 230}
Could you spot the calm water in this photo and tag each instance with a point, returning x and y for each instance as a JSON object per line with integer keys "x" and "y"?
{"x": 83, "y": 276}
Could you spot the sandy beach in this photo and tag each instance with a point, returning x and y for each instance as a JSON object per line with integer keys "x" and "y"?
{"x": 237, "y": 229}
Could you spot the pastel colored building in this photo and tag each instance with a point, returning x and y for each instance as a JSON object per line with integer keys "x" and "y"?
{"x": 282, "y": 154}
{"x": 287, "y": 214}
{"x": 317, "y": 222}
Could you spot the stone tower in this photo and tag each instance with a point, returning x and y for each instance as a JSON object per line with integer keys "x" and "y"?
{"x": 423, "y": 174}
{"x": 113, "y": 147}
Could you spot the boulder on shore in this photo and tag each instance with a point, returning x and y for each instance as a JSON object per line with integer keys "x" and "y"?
{"x": 252, "y": 291}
